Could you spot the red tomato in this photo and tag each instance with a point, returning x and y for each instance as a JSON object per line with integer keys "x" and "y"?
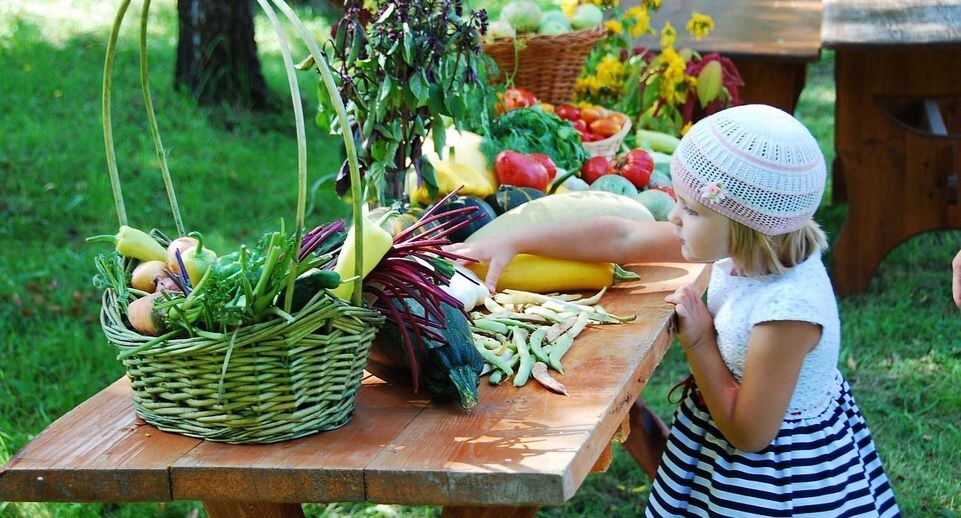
{"x": 513, "y": 168}
{"x": 514, "y": 98}
{"x": 639, "y": 166}
{"x": 547, "y": 163}
{"x": 579, "y": 125}
{"x": 568, "y": 112}
{"x": 587, "y": 136}
{"x": 637, "y": 174}
{"x": 595, "y": 168}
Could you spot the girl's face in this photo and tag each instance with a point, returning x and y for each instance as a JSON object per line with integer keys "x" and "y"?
{"x": 704, "y": 234}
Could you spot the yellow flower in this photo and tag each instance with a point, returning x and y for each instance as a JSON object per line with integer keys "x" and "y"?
{"x": 614, "y": 26}
{"x": 671, "y": 94}
{"x": 673, "y": 65}
{"x": 642, "y": 21}
{"x": 700, "y": 25}
{"x": 568, "y": 7}
{"x": 653, "y": 4}
{"x": 685, "y": 128}
{"x": 668, "y": 35}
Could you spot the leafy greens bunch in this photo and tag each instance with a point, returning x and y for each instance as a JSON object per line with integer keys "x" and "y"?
{"x": 402, "y": 69}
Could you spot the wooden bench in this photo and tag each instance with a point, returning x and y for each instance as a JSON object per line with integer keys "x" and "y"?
{"x": 897, "y": 126}
{"x": 770, "y": 42}
{"x": 517, "y": 450}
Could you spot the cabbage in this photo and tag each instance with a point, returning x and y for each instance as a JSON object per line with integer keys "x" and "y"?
{"x": 553, "y": 28}
{"x": 523, "y": 15}
{"x": 587, "y": 16}
{"x": 499, "y": 29}
{"x": 553, "y": 22}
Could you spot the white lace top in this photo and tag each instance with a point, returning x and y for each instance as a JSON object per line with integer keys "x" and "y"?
{"x": 803, "y": 293}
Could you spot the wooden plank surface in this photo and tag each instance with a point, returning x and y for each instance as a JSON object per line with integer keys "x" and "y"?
{"x": 518, "y": 447}
{"x": 781, "y": 30}
{"x": 872, "y": 23}
{"x": 326, "y": 467}
{"x": 99, "y": 451}
{"x": 527, "y": 446}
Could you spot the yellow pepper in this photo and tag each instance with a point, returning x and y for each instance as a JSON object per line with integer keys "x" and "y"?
{"x": 450, "y": 176}
{"x": 137, "y": 244}
{"x": 377, "y": 243}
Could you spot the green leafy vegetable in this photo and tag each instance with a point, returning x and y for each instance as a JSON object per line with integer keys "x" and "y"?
{"x": 531, "y": 130}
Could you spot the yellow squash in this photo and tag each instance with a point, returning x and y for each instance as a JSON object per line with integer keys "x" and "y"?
{"x": 545, "y": 274}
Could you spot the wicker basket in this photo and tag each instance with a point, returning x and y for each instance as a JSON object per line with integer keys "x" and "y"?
{"x": 608, "y": 147}
{"x": 548, "y": 66}
{"x": 271, "y": 381}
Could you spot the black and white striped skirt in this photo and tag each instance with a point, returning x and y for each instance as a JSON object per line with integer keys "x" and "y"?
{"x": 820, "y": 466}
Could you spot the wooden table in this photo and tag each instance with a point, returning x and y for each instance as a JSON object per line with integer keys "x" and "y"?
{"x": 897, "y": 125}
{"x": 770, "y": 41}
{"x": 517, "y": 450}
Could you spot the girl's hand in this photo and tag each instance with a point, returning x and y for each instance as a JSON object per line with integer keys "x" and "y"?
{"x": 695, "y": 323}
{"x": 496, "y": 252}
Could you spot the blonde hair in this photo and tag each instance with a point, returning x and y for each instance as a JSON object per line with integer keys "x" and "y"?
{"x": 755, "y": 253}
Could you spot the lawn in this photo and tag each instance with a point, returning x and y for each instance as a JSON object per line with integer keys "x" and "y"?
{"x": 235, "y": 175}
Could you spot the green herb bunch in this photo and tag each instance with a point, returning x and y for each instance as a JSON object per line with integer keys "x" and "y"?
{"x": 402, "y": 70}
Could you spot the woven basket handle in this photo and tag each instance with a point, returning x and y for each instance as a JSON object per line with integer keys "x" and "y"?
{"x": 323, "y": 68}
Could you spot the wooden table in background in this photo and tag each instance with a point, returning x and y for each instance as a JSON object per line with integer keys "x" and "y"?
{"x": 517, "y": 450}
{"x": 770, "y": 41}
{"x": 898, "y": 121}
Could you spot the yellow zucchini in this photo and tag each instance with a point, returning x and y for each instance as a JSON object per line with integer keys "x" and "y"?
{"x": 545, "y": 274}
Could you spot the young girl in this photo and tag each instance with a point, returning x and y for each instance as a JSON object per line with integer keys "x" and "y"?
{"x": 767, "y": 426}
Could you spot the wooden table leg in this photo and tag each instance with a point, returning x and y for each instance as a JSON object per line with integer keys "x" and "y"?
{"x": 647, "y": 437}
{"x": 899, "y": 181}
{"x": 469, "y": 511}
{"x": 775, "y": 83}
{"x": 253, "y": 510}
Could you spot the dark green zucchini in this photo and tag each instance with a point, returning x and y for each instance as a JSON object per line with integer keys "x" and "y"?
{"x": 448, "y": 370}
{"x": 307, "y": 285}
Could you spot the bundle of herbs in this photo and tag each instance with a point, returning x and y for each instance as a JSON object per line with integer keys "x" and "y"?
{"x": 403, "y": 70}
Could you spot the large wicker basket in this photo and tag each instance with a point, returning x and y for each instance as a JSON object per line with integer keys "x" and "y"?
{"x": 274, "y": 380}
{"x": 548, "y": 66}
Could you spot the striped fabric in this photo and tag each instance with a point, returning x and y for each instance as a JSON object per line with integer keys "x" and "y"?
{"x": 821, "y": 466}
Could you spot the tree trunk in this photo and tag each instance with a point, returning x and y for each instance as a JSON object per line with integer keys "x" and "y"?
{"x": 216, "y": 53}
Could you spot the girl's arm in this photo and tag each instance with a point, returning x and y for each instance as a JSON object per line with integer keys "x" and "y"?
{"x": 602, "y": 238}
{"x": 749, "y": 414}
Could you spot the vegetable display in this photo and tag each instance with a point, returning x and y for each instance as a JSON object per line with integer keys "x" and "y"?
{"x": 532, "y": 130}
{"x": 524, "y": 334}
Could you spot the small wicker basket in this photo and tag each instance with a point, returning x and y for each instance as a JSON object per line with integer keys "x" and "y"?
{"x": 270, "y": 381}
{"x": 608, "y": 147}
{"x": 547, "y": 66}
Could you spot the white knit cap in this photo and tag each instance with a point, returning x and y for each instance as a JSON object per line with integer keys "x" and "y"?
{"x": 754, "y": 164}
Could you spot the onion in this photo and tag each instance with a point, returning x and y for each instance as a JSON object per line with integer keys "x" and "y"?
{"x": 146, "y": 275}
{"x": 143, "y": 317}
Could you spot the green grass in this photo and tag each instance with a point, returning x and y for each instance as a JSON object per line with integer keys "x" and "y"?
{"x": 235, "y": 174}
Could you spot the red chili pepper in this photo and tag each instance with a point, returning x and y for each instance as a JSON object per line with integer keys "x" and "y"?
{"x": 514, "y": 168}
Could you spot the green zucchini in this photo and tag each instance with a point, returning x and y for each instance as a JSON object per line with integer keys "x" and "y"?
{"x": 449, "y": 370}
{"x": 308, "y": 284}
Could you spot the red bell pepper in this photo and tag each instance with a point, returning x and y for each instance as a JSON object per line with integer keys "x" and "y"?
{"x": 514, "y": 168}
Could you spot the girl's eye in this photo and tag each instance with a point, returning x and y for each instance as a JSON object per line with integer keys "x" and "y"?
{"x": 690, "y": 211}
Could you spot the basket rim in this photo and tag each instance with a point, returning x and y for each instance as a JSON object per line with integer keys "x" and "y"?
{"x": 600, "y": 30}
